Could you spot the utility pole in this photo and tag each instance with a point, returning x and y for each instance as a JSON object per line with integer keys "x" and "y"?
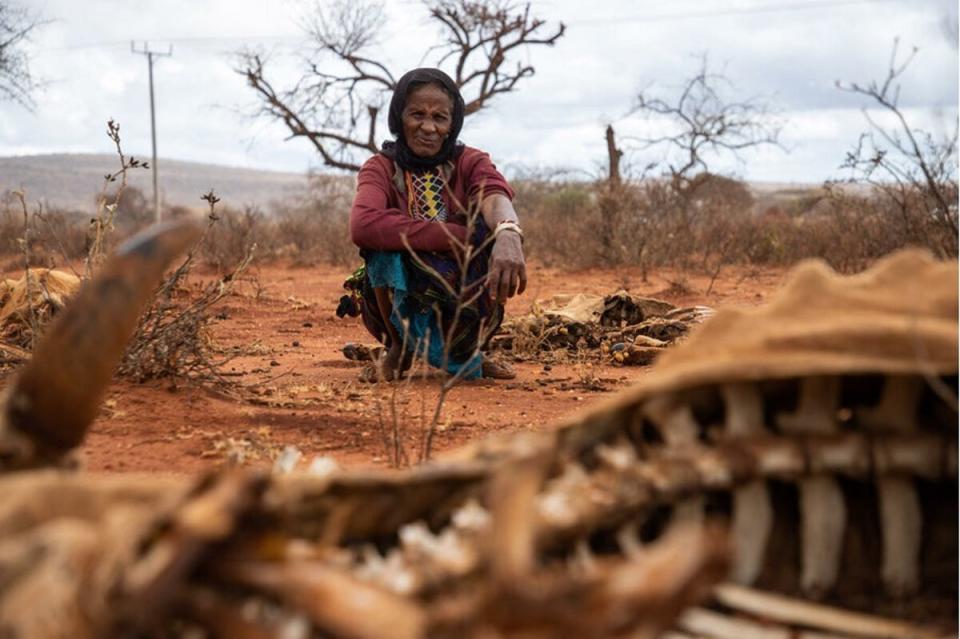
{"x": 153, "y": 120}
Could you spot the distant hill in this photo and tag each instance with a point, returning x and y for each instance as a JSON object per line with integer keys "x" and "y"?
{"x": 72, "y": 181}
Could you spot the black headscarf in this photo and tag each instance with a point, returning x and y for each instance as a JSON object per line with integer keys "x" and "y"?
{"x": 398, "y": 151}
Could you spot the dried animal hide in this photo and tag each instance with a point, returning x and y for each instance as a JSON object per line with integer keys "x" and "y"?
{"x": 29, "y": 303}
{"x": 828, "y": 465}
{"x": 626, "y": 329}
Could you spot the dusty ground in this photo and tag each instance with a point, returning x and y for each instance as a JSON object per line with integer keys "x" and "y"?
{"x": 299, "y": 390}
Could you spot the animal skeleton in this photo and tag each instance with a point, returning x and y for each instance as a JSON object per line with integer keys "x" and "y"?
{"x": 828, "y": 415}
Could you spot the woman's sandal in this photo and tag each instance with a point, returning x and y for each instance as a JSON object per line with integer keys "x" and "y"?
{"x": 493, "y": 369}
{"x": 369, "y": 374}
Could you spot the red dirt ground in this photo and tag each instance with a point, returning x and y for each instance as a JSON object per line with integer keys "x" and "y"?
{"x": 301, "y": 391}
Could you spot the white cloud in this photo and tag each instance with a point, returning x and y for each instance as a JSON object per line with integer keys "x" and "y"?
{"x": 554, "y": 118}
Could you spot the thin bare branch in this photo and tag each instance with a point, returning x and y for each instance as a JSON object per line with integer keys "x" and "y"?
{"x": 336, "y": 102}
{"x": 905, "y": 163}
{"x": 17, "y": 82}
{"x": 707, "y": 122}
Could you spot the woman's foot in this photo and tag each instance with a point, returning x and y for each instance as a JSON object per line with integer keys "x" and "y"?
{"x": 493, "y": 369}
{"x": 390, "y": 365}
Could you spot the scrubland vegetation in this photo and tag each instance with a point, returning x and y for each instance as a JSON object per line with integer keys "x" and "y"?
{"x": 703, "y": 224}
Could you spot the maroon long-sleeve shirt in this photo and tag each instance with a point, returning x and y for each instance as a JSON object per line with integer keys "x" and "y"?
{"x": 380, "y": 217}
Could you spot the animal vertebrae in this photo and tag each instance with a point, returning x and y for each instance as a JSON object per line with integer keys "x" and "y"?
{"x": 766, "y": 449}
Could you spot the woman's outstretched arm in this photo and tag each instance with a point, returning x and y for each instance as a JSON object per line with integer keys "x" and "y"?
{"x": 508, "y": 271}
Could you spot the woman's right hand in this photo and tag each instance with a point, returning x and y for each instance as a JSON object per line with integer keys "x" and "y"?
{"x": 508, "y": 270}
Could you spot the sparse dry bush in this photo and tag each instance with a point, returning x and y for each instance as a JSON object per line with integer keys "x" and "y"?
{"x": 309, "y": 227}
{"x": 913, "y": 172}
{"x": 173, "y": 336}
{"x": 712, "y": 221}
{"x": 557, "y": 218}
{"x": 133, "y": 210}
{"x": 228, "y": 241}
{"x": 11, "y": 226}
{"x": 312, "y": 227}
{"x": 55, "y": 235}
{"x": 62, "y": 232}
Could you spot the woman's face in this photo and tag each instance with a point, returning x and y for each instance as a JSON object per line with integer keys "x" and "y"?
{"x": 427, "y": 118}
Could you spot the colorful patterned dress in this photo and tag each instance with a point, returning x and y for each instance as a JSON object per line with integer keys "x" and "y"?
{"x": 423, "y": 309}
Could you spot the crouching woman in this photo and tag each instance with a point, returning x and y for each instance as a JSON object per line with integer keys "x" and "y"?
{"x": 420, "y": 201}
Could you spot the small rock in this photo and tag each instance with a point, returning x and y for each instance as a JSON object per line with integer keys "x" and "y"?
{"x": 274, "y": 362}
{"x": 307, "y": 325}
{"x": 295, "y": 343}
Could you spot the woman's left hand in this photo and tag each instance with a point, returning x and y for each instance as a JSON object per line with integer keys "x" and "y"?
{"x": 508, "y": 271}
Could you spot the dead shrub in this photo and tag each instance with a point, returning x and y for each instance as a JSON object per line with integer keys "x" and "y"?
{"x": 173, "y": 338}
{"x": 228, "y": 240}
{"x": 709, "y": 221}
{"x": 55, "y": 235}
{"x": 313, "y": 226}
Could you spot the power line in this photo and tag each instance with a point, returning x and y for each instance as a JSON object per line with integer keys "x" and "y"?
{"x": 183, "y": 40}
{"x": 654, "y": 17}
{"x": 733, "y": 11}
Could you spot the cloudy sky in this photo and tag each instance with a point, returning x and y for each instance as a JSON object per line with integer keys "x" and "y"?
{"x": 788, "y": 52}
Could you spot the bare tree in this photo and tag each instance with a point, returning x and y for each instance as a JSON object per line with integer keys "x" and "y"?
{"x": 914, "y": 169}
{"x": 17, "y": 83}
{"x": 706, "y": 121}
{"x": 704, "y": 118}
{"x": 338, "y": 99}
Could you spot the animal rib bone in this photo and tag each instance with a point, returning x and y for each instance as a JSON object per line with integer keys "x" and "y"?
{"x": 679, "y": 428}
{"x": 901, "y": 520}
{"x": 822, "y": 509}
{"x": 750, "y": 530}
{"x": 752, "y": 512}
{"x": 824, "y": 520}
{"x": 817, "y": 616}
{"x": 673, "y": 418}
{"x": 539, "y": 535}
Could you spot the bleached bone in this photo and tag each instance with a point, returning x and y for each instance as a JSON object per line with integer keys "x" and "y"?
{"x": 706, "y": 623}
{"x": 673, "y": 418}
{"x": 558, "y": 504}
{"x": 583, "y": 558}
{"x": 750, "y": 531}
{"x": 901, "y": 521}
{"x": 471, "y": 517}
{"x": 333, "y": 599}
{"x": 628, "y": 539}
{"x": 619, "y": 455}
{"x": 900, "y": 515}
{"x": 752, "y": 512}
{"x": 678, "y": 427}
{"x": 822, "y": 509}
{"x": 817, "y": 617}
{"x": 824, "y": 517}
{"x": 446, "y": 551}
